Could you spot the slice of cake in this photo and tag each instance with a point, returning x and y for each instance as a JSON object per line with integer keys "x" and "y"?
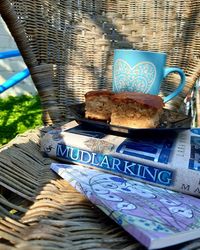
{"x": 98, "y": 104}
{"x": 136, "y": 110}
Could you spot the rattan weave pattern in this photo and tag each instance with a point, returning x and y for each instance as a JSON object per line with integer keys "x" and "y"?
{"x": 68, "y": 47}
{"x": 69, "y": 44}
{"x": 40, "y": 211}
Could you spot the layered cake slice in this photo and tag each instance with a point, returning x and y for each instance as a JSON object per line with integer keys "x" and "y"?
{"x": 136, "y": 110}
{"x": 98, "y": 104}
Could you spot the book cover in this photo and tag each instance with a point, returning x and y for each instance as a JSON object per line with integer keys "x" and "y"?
{"x": 168, "y": 160}
{"x": 155, "y": 216}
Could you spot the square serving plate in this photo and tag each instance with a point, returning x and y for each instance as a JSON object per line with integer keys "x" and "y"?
{"x": 171, "y": 121}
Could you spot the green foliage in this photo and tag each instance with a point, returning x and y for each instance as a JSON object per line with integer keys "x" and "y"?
{"x": 18, "y": 114}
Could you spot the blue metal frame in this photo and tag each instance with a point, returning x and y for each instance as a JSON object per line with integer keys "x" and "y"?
{"x": 13, "y": 80}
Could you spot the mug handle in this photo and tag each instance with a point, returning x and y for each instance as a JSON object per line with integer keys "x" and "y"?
{"x": 169, "y": 70}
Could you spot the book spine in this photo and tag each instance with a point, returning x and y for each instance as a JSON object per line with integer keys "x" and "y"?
{"x": 178, "y": 179}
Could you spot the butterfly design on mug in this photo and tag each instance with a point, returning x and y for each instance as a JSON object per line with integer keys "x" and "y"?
{"x": 139, "y": 78}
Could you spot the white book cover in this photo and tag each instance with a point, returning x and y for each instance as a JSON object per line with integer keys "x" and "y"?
{"x": 155, "y": 216}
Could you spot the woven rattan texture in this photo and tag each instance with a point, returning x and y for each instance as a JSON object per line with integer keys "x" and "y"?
{"x": 68, "y": 47}
{"x": 69, "y": 44}
{"x": 40, "y": 211}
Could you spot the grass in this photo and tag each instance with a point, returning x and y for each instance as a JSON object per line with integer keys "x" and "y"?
{"x": 18, "y": 114}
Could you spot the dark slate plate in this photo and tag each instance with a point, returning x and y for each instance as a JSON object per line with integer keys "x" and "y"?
{"x": 170, "y": 122}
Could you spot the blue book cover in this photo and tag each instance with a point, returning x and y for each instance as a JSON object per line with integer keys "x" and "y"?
{"x": 171, "y": 161}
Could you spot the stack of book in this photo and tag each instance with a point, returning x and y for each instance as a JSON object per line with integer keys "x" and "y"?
{"x": 150, "y": 185}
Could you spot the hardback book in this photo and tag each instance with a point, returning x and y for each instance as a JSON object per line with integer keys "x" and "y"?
{"x": 156, "y": 217}
{"x": 169, "y": 160}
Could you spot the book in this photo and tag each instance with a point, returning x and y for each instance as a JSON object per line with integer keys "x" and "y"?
{"x": 170, "y": 160}
{"x": 156, "y": 217}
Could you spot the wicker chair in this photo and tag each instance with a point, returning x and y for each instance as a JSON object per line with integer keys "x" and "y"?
{"x": 68, "y": 48}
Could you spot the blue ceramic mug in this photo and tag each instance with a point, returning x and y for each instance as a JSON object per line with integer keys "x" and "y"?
{"x": 142, "y": 71}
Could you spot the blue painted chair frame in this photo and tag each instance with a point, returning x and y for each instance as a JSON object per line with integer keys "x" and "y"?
{"x": 16, "y": 78}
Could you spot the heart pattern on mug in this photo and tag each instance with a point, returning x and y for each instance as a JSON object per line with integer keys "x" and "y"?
{"x": 139, "y": 78}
